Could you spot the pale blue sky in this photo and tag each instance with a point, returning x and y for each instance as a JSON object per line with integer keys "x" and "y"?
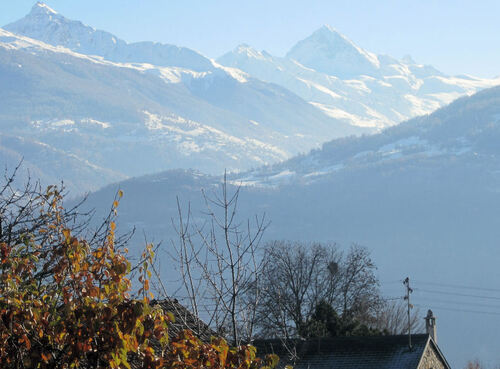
{"x": 453, "y": 35}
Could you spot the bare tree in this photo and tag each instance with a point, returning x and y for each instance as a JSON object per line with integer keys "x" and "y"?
{"x": 298, "y": 276}
{"x": 219, "y": 263}
{"x": 295, "y": 279}
{"x": 357, "y": 285}
{"x": 392, "y": 317}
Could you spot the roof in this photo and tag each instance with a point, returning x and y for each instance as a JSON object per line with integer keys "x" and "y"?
{"x": 184, "y": 319}
{"x": 373, "y": 352}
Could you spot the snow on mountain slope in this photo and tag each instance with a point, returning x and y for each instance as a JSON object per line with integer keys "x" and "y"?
{"x": 45, "y": 24}
{"x": 139, "y": 118}
{"x": 468, "y": 129}
{"x": 352, "y": 84}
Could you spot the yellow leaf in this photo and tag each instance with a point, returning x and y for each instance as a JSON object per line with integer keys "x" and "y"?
{"x": 171, "y": 316}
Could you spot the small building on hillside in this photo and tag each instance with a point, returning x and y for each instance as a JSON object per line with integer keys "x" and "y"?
{"x": 371, "y": 352}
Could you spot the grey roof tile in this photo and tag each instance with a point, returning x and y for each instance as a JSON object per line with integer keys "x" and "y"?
{"x": 374, "y": 352}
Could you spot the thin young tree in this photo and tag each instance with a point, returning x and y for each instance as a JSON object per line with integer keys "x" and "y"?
{"x": 219, "y": 263}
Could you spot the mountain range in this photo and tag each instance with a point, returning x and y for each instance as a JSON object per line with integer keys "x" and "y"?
{"x": 352, "y": 84}
{"x": 137, "y": 118}
{"x": 128, "y": 109}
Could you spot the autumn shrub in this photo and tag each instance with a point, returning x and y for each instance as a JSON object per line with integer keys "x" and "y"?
{"x": 66, "y": 302}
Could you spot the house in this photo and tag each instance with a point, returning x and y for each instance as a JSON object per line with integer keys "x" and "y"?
{"x": 372, "y": 352}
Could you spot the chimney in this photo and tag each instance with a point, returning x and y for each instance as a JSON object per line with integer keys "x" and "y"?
{"x": 430, "y": 325}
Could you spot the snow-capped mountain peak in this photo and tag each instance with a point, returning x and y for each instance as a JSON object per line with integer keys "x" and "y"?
{"x": 249, "y": 52}
{"x": 45, "y": 24}
{"x": 328, "y": 51}
{"x": 42, "y": 8}
{"x": 334, "y": 36}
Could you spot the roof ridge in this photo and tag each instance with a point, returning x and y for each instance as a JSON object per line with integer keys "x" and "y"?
{"x": 440, "y": 353}
{"x": 351, "y": 352}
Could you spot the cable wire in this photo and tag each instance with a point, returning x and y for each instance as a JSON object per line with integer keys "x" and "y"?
{"x": 457, "y": 294}
{"x": 463, "y": 311}
{"x": 432, "y": 300}
{"x": 457, "y": 286}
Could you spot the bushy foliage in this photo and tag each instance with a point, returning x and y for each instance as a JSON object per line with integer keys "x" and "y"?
{"x": 325, "y": 322}
{"x": 66, "y": 302}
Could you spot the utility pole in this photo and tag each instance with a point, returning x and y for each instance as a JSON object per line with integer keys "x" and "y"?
{"x": 406, "y": 282}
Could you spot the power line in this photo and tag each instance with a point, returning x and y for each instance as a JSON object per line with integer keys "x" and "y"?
{"x": 399, "y": 281}
{"x": 462, "y": 311}
{"x": 432, "y": 300}
{"x": 457, "y": 286}
{"x": 392, "y": 298}
{"x": 458, "y": 294}
{"x": 446, "y": 285}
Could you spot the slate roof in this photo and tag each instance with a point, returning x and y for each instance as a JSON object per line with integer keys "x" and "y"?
{"x": 374, "y": 352}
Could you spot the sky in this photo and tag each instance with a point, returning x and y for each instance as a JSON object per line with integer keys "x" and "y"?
{"x": 457, "y": 37}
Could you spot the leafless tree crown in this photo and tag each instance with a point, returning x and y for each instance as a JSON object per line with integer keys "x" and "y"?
{"x": 297, "y": 276}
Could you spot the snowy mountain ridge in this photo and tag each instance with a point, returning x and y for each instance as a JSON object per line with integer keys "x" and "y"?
{"x": 45, "y": 24}
{"x": 170, "y": 74}
{"x": 352, "y": 84}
